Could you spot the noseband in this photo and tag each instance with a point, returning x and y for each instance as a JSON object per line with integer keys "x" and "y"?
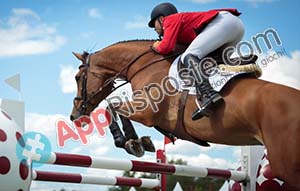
{"x": 83, "y": 97}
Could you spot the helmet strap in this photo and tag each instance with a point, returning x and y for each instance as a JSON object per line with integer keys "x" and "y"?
{"x": 161, "y": 25}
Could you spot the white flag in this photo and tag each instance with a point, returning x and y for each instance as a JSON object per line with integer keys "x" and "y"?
{"x": 14, "y": 82}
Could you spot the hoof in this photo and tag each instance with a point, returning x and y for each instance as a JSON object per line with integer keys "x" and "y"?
{"x": 147, "y": 143}
{"x": 135, "y": 148}
{"x": 120, "y": 142}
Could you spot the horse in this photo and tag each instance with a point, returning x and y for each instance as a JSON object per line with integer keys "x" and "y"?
{"x": 254, "y": 112}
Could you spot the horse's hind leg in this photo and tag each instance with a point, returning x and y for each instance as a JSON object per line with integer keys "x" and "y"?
{"x": 293, "y": 171}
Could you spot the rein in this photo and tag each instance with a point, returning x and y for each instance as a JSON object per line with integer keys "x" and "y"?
{"x": 107, "y": 82}
{"x": 127, "y": 67}
{"x": 112, "y": 79}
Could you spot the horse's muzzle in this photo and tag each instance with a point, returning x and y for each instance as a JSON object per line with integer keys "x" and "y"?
{"x": 72, "y": 118}
{"x": 74, "y": 114}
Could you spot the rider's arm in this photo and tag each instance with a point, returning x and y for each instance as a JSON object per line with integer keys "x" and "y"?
{"x": 171, "y": 25}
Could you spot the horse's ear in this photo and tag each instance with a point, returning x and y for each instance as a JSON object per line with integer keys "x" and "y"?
{"x": 78, "y": 56}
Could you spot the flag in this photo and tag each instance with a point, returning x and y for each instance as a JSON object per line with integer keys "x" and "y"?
{"x": 14, "y": 82}
{"x": 167, "y": 140}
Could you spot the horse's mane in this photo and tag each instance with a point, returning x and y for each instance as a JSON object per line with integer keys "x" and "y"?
{"x": 135, "y": 40}
{"x": 127, "y": 41}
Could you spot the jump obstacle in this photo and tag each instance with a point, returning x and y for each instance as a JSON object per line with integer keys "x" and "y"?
{"x": 141, "y": 166}
{"x": 22, "y": 174}
{"x": 27, "y": 175}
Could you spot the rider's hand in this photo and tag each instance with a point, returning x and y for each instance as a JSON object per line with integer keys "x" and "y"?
{"x": 155, "y": 44}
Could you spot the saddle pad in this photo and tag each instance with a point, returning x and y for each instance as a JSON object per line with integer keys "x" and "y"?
{"x": 218, "y": 80}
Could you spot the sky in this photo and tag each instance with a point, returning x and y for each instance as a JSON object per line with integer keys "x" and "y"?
{"x": 37, "y": 39}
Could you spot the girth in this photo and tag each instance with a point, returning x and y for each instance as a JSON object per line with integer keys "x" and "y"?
{"x": 180, "y": 131}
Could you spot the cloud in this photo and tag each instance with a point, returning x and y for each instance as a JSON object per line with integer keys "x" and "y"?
{"x": 282, "y": 69}
{"x": 255, "y": 3}
{"x": 203, "y": 1}
{"x": 204, "y": 160}
{"x": 97, "y": 146}
{"x": 46, "y": 124}
{"x": 68, "y": 84}
{"x": 260, "y": 1}
{"x": 23, "y": 33}
{"x": 94, "y": 13}
{"x": 190, "y": 152}
{"x": 185, "y": 147}
{"x": 87, "y": 35}
{"x": 237, "y": 152}
{"x": 42, "y": 123}
{"x": 138, "y": 22}
{"x": 66, "y": 79}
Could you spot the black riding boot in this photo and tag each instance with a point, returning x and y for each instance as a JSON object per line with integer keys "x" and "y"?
{"x": 207, "y": 97}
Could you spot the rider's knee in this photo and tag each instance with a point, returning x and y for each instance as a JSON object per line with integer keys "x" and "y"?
{"x": 186, "y": 58}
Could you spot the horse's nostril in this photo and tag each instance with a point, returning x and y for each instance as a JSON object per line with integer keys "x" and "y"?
{"x": 72, "y": 117}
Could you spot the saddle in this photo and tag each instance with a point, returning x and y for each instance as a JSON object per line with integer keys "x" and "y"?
{"x": 236, "y": 62}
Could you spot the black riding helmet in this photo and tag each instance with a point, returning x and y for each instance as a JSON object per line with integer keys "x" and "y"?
{"x": 163, "y": 9}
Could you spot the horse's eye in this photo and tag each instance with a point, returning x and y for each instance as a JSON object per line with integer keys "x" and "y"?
{"x": 77, "y": 78}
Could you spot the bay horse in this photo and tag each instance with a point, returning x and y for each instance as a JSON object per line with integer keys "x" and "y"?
{"x": 255, "y": 111}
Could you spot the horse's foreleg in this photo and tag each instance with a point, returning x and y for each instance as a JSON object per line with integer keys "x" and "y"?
{"x": 133, "y": 145}
{"x": 133, "y": 111}
{"x": 117, "y": 134}
{"x": 119, "y": 138}
{"x": 133, "y": 139}
{"x": 130, "y": 141}
{"x": 128, "y": 128}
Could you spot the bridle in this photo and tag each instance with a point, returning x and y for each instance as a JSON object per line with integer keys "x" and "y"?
{"x": 83, "y": 97}
{"x": 110, "y": 81}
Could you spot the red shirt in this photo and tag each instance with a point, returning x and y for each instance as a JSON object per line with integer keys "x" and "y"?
{"x": 180, "y": 27}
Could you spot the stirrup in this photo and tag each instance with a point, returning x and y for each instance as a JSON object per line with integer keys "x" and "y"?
{"x": 199, "y": 113}
{"x": 205, "y": 109}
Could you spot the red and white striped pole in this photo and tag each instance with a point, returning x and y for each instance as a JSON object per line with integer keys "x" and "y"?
{"x": 161, "y": 158}
{"x": 140, "y": 166}
{"x": 94, "y": 179}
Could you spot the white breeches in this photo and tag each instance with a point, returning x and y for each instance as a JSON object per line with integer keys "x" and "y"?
{"x": 223, "y": 31}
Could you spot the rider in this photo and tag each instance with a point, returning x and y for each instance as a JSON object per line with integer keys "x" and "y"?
{"x": 204, "y": 32}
